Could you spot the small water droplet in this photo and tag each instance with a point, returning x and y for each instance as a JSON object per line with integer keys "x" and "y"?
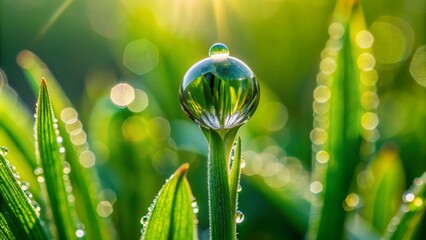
{"x": 36, "y": 206}
{"x": 243, "y": 163}
{"x": 67, "y": 168}
{"x": 3, "y": 151}
{"x": 17, "y": 176}
{"x": 408, "y": 197}
{"x": 61, "y": 149}
{"x": 239, "y": 189}
{"x": 40, "y": 179}
{"x": 25, "y": 186}
{"x": 28, "y": 194}
{"x": 195, "y": 207}
{"x": 151, "y": 208}
{"x": 218, "y": 51}
{"x": 79, "y": 233}
{"x": 418, "y": 181}
{"x": 38, "y": 171}
{"x": 144, "y": 220}
{"x": 240, "y": 217}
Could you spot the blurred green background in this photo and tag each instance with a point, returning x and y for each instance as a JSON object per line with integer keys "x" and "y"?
{"x": 91, "y": 46}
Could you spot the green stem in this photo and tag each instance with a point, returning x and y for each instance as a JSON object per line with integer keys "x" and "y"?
{"x": 221, "y": 214}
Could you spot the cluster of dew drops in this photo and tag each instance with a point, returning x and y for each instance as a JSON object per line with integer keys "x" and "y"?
{"x": 25, "y": 186}
{"x": 411, "y": 202}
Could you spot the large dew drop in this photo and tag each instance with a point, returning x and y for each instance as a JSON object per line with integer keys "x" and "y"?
{"x": 219, "y": 92}
{"x": 240, "y": 217}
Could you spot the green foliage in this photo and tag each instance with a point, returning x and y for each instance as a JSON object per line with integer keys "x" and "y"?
{"x": 53, "y": 165}
{"x": 84, "y": 180}
{"x": 348, "y": 186}
{"x": 171, "y": 216}
{"x": 18, "y": 218}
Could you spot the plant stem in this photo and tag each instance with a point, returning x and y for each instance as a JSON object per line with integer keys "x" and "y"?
{"x": 221, "y": 212}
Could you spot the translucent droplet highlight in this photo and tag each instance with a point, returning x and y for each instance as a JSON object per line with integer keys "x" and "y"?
{"x": 219, "y": 51}
{"x": 240, "y": 217}
{"x": 3, "y": 151}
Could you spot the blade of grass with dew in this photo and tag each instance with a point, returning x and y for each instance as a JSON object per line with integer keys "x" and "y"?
{"x": 16, "y": 122}
{"x": 234, "y": 176}
{"x": 381, "y": 187}
{"x": 17, "y": 132}
{"x": 223, "y": 222}
{"x": 18, "y": 218}
{"x": 171, "y": 216}
{"x": 49, "y": 155}
{"x": 406, "y": 222}
{"x": 338, "y": 138}
{"x": 84, "y": 180}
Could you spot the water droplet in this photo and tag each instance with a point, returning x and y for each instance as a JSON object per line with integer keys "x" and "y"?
{"x": 322, "y": 156}
{"x": 28, "y": 194}
{"x": 40, "y": 179}
{"x": 104, "y": 209}
{"x": 67, "y": 168}
{"x": 408, "y": 197}
{"x": 144, "y": 220}
{"x": 195, "y": 207}
{"x": 36, "y": 207}
{"x": 219, "y": 94}
{"x": 61, "y": 149}
{"x": 79, "y": 233}
{"x": 25, "y": 186}
{"x": 151, "y": 208}
{"x": 418, "y": 181}
{"x": 240, "y": 217}
{"x": 316, "y": 187}
{"x": 239, "y": 189}
{"x": 218, "y": 51}
{"x": 243, "y": 163}
{"x": 3, "y": 151}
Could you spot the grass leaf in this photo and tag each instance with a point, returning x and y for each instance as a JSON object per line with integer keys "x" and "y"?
{"x": 85, "y": 182}
{"x": 17, "y": 123}
{"x": 18, "y": 218}
{"x": 171, "y": 216}
{"x": 234, "y": 177}
{"x": 405, "y": 223}
{"x": 49, "y": 155}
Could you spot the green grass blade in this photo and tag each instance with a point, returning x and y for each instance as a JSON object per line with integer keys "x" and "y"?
{"x": 49, "y": 155}
{"x": 222, "y": 222}
{"x": 234, "y": 177}
{"x": 381, "y": 196}
{"x": 18, "y": 218}
{"x": 405, "y": 223}
{"x": 339, "y": 136}
{"x": 171, "y": 216}
{"x": 84, "y": 181}
{"x": 16, "y": 122}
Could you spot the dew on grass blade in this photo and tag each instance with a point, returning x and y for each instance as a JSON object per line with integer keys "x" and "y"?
{"x": 240, "y": 217}
{"x": 3, "y": 151}
{"x": 195, "y": 207}
{"x": 219, "y": 92}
